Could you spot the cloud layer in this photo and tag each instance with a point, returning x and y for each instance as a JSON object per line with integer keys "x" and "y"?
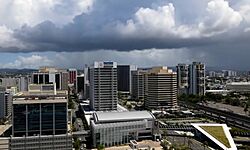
{"x": 205, "y": 30}
{"x": 50, "y": 25}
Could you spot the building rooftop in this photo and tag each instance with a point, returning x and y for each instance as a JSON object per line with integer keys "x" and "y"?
{"x": 102, "y": 117}
{"x": 42, "y": 97}
{"x": 218, "y": 133}
{"x": 239, "y": 83}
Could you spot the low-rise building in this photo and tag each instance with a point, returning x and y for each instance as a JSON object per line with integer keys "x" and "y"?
{"x": 241, "y": 87}
{"x": 116, "y": 128}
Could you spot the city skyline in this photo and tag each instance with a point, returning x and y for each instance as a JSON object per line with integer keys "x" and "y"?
{"x": 124, "y": 74}
{"x": 43, "y": 32}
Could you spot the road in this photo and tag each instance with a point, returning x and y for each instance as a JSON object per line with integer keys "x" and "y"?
{"x": 235, "y": 109}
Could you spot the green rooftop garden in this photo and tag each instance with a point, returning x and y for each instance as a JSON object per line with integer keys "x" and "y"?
{"x": 218, "y": 133}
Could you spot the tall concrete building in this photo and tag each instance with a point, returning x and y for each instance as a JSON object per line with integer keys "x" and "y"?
{"x": 139, "y": 84}
{"x": 72, "y": 75}
{"x": 40, "y": 121}
{"x": 182, "y": 78}
{"x": 86, "y": 82}
{"x": 162, "y": 89}
{"x": 2, "y": 102}
{"x": 197, "y": 78}
{"x": 50, "y": 75}
{"x": 103, "y": 86}
{"x": 191, "y": 78}
{"x": 5, "y": 103}
{"x": 80, "y": 84}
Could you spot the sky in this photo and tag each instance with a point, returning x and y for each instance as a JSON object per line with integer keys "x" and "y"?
{"x": 146, "y": 33}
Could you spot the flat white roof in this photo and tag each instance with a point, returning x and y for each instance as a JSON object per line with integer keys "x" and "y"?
{"x": 122, "y": 116}
{"x": 20, "y": 101}
{"x": 217, "y": 91}
{"x": 239, "y": 83}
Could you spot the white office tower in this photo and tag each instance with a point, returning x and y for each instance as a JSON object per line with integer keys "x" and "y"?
{"x": 197, "y": 78}
{"x": 162, "y": 89}
{"x": 103, "y": 86}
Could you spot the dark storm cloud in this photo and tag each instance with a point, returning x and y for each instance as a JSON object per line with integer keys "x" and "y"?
{"x": 213, "y": 31}
{"x": 98, "y": 30}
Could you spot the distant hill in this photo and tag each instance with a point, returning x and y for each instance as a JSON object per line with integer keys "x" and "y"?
{"x": 17, "y": 71}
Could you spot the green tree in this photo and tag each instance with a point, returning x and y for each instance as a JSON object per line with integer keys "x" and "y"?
{"x": 77, "y": 144}
{"x": 100, "y": 147}
{"x": 129, "y": 106}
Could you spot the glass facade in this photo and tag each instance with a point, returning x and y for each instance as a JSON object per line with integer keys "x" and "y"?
{"x": 44, "y": 119}
{"x": 60, "y": 118}
{"x": 33, "y": 119}
{"x": 19, "y": 117}
{"x": 47, "y": 119}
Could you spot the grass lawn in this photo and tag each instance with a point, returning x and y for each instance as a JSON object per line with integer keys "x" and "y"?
{"x": 218, "y": 133}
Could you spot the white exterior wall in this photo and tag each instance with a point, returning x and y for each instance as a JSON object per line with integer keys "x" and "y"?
{"x": 121, "y": 132}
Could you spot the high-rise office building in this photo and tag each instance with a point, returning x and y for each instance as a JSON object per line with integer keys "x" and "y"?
{"x": 229, "y": 73}
{"x": 5, "y": 103}
{"x": 80, "y": 84}
{"x": 182, "y": 78}
{"x": 103, "y": 86}
{"x": 197, "y": 78}
{"x": 86, "y": 82}
{"x": 161, "y": 89}
{"x": 72, "y": 75}
{"x": 49, "y": 75}
{"x": 2, "y": 102}
{"x": 124, "y": 78}
{"x": 40, "y": 122}
{"x": 139, "y": 84}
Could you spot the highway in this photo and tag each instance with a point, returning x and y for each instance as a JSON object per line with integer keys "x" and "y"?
{"x": 241, "y": 121}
